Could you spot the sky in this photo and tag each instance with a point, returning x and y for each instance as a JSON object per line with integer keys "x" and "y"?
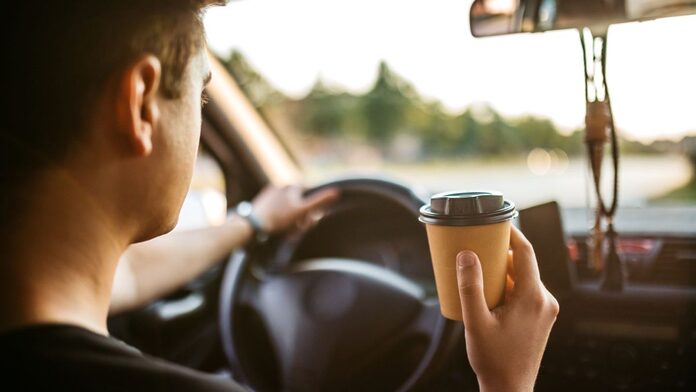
{"x": 651, "y": 65}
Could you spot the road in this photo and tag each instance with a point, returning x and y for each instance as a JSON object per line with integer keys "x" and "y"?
{"x": 642, "y": 178}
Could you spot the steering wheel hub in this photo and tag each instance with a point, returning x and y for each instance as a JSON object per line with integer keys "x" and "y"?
{"x": 330, "y": 297}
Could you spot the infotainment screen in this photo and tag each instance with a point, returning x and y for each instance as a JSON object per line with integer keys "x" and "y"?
{"x": 543, "y": 227}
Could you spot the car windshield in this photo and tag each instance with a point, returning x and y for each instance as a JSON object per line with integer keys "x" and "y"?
{"x": 401, "y": 89}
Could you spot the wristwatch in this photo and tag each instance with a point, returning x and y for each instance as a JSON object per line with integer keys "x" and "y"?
{"x": 246, "y": 211}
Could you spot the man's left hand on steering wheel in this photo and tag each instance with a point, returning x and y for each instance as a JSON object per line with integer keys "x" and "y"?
{"x": 280, "y": 208}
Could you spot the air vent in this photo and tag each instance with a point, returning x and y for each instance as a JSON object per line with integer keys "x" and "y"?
{"x": 676, "y": 264}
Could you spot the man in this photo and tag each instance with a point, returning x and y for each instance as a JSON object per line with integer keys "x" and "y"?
{"x": 99, "y": 135}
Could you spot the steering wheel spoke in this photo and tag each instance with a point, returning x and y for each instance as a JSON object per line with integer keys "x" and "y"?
{"x": 427, "y": 320}
{"x": 248, "y": 295}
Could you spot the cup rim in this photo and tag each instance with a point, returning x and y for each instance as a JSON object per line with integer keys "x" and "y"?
{"x": 508, "y": 212}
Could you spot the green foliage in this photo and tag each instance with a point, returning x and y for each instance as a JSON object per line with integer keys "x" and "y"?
{"x": 684, "y": 194}
{"x": 385, "y": 107}
{"x": 324, "y": 113}
{"x": 689, "y": 146}
{"x": 393, "y": 107}
{"x": 257, "y": 88}
{"x": 636, "y": 147}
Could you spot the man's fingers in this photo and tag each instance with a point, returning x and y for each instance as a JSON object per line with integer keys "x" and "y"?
{"x": 526, "y": 270}
{"x": 294, "y": 193}
{"x": 470, "y": 280}
{"x": 510, "y": 266}
{"x": 509, "y": 286}
{"x": 320, "y": 199}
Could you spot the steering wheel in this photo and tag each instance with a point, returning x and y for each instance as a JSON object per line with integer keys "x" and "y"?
{"x": 300, "y": 321}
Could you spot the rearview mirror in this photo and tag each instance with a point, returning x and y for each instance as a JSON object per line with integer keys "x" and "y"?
{"x": 498, "y": 17}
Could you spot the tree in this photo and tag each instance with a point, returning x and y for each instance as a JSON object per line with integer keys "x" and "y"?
{"x": 393, "y": 106}
{"x": 256, "y": 87}
{"x": 386, "y": 105}
{"x": 689, "y": 146}
{"x": 327, "y": 113}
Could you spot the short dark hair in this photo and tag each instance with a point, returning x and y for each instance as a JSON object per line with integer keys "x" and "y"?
{"x": 60, "y": 56}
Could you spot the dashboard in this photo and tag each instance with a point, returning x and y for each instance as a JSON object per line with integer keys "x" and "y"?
{"x": 640, "y": 338}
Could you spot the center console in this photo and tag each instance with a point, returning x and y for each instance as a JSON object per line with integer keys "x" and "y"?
{"x": 640, "y": 338}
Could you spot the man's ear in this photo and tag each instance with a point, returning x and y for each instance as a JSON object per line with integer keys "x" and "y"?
{"x": 139, "y": 110}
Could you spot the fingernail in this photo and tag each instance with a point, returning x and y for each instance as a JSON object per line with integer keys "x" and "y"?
{"x": 465, "y": 259}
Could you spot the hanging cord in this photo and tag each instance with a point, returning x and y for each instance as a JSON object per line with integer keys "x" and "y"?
{"x": 609, "y": 213}
{"x": 604, "y": 104}
{"x": 599, "y": 119}
{"x": 595, "y": 149}
{"x": 613, "y": 278}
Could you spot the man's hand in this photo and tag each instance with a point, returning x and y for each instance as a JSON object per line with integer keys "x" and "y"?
{"x": 505, "y": 345}
{"x": 280, "y": 208}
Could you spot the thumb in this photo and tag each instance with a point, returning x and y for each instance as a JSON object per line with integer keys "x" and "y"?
{"x": 470, "y": 280}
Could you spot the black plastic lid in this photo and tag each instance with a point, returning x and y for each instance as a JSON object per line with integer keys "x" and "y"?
{"x": 467, "y": 209}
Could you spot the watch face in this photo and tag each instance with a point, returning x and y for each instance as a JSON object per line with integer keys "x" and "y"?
{"x": 244, "y": 209}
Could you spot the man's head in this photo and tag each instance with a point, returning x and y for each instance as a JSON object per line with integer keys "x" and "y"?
{"x": 108, "y": 92}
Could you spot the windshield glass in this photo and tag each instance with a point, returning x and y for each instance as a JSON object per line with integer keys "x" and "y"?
{"x": 401, "y": 89}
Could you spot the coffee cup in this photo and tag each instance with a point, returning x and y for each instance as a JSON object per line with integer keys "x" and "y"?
{"x": 478, "y": 221}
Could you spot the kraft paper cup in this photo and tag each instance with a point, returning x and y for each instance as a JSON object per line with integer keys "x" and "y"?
{"x": 475, "y": 221}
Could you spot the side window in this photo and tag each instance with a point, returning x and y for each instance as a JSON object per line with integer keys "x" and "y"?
{"x": 205, "y": 203}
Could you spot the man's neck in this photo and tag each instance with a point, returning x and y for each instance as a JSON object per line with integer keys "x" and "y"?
{"x": 63, "y": 259}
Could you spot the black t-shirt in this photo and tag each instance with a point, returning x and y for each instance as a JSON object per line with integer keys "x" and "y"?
{"x": 63, "y": 357}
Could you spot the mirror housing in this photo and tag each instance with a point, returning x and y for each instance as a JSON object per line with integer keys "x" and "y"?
{"x": 499, "y": 17}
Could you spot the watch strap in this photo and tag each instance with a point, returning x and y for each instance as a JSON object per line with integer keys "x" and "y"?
{"x": 246, "y": 211}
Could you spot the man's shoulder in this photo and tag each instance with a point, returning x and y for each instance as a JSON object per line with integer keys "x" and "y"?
{"x": 59, "y": 357}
